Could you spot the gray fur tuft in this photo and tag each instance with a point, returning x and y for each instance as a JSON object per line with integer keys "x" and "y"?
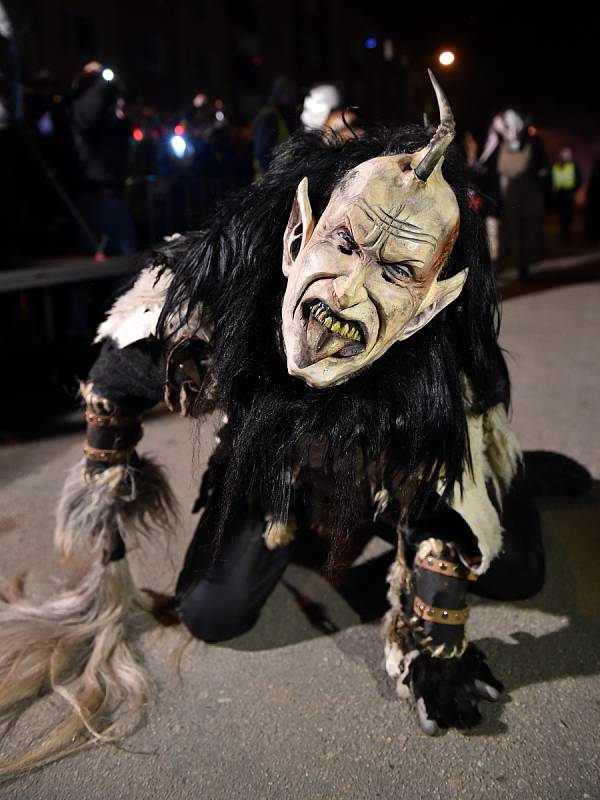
{"x": 133, "y": 500}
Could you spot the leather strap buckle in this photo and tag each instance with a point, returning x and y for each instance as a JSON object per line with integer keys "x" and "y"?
{"x": 442, "y": 616}
{"x": 444, "y": 567}
{"x": 107, "y": 456}
{"x": 109, "y": 421}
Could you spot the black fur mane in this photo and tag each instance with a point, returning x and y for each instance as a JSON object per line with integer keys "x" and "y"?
{"x": 410, "y": 402}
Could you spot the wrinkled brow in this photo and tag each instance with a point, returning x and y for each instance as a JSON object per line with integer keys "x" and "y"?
{"x": 386, "y": 224}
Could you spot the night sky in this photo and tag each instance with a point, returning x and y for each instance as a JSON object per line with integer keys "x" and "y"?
{"x": 545, "y": 63}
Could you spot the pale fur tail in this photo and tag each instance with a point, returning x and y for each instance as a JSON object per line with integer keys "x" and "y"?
{"x": 81, "y": 645}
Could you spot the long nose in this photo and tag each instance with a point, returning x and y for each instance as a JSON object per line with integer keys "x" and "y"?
{"x": 350, "y": 289}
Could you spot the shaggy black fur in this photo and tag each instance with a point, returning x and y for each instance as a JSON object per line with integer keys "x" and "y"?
{"x": 410, "y": 402}
{"x": 447, "y": 686}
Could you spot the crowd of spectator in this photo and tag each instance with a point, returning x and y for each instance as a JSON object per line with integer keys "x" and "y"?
{"x": 97, "y": 176}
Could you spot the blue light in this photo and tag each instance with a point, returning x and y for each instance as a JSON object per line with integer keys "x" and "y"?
{"x": 371, "y": 43}
{"x": 45, "y": 125}
{"x": 179, "y": 146}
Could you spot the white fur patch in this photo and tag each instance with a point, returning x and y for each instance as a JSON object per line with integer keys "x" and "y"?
{"x": 393, "y": 659}
{"x": 502, "y": 449}
{"x": 495, "y": 455}
{"x": 403, "y": 690}
{"x": 135, "y": 314}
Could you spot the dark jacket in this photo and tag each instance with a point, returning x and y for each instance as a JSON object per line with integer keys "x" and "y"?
{"x": 101, "y": 138}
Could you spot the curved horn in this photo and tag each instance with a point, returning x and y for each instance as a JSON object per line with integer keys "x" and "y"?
{"x": 441, "y": 138}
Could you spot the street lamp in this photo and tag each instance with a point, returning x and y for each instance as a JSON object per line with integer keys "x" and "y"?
{"x": 446, "y": 58}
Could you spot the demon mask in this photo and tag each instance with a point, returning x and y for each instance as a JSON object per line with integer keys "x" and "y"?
{"x": 364, "y": 276}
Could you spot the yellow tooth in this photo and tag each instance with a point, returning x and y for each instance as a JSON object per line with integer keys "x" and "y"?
{"x": 321, "y": 315}
{"x": 351, "y": 332}
{"x": 356, "y": 336}
{"x": 344, "y": 330}
{"x": 327, "y": 322}
{"x": 335, "y": 327}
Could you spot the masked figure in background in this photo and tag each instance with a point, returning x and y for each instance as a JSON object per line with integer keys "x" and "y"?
{"x": 516, "y": 170}
{"x": 323, "y": 110}
{"x": 341, "y": 316}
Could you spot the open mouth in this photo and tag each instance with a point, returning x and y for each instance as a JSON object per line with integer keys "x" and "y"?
{"x": 329, "y": 335}
{"x": 346, "y": 329}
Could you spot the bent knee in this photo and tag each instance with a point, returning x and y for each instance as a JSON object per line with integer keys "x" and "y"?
{"x": 212, "y": 621}
{"x": 533, "y": 579}
{"x": 513, "y": 579}
{"x": 522, "y": 582}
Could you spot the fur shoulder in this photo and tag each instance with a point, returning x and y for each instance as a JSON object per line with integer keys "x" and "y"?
{"x": 135, "y": 314}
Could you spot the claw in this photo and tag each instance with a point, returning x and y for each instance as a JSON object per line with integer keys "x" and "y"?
{"x": 428, "y": 726}
{"x": 486, "y": 691}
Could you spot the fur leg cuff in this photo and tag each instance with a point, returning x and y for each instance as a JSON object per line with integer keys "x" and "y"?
{"x": 127, "y": 499}
{"x": 400, "y": 648}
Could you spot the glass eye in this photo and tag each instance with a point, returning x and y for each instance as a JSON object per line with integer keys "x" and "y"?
{"x": 396, "y": 272}
{"x": 351, "y": 245}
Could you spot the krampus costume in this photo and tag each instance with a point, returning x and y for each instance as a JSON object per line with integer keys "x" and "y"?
{"x": 515, "y": 169}
{"x": 361, "y": 388}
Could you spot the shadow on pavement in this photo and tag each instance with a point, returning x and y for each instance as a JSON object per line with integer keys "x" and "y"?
{"x": 571, "y": 528}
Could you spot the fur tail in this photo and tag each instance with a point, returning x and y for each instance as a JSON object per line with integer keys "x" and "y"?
{"x": 81, "y": 645}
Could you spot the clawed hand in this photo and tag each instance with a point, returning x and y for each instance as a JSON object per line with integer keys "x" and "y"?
{"x": 448, "y": 691}
{"x": 430, "y": 726}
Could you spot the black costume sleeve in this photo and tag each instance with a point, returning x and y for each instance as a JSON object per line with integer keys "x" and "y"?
{"x": 133, "y": 376}
{"x": 122, "y": 384}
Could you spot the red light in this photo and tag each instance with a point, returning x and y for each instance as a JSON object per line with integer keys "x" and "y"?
{"x": 138, "y": 134}
{"x": 179, "y": 130}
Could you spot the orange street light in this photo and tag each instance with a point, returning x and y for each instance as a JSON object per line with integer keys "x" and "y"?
{"x": 446, "y": 58}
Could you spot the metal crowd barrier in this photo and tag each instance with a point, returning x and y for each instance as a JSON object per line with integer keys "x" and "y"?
{"x": 47, "y": 273}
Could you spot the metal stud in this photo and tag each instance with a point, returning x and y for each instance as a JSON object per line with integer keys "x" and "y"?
{"x": 445, "y": 614}
{"x": 430, "y": 560}
{"x": 443, "y": 565}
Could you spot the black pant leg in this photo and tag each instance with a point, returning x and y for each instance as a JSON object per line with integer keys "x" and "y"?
{"x": 218, "y": 599}
{"x": 519, "y": 570}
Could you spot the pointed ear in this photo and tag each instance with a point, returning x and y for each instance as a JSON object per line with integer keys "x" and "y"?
{"x": 441, "y": 294}
{"x": 300, "y": 227}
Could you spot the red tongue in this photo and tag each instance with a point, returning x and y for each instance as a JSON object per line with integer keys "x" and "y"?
{"x": 322, "y": 343}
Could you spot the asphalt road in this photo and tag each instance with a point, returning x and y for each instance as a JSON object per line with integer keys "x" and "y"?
{"x": 288, "y": 711}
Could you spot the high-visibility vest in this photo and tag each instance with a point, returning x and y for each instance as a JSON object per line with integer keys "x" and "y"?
{"x": 564, "y": 176}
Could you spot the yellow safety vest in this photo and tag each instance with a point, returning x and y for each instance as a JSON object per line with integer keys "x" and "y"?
{"x": 563, "y": 176}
